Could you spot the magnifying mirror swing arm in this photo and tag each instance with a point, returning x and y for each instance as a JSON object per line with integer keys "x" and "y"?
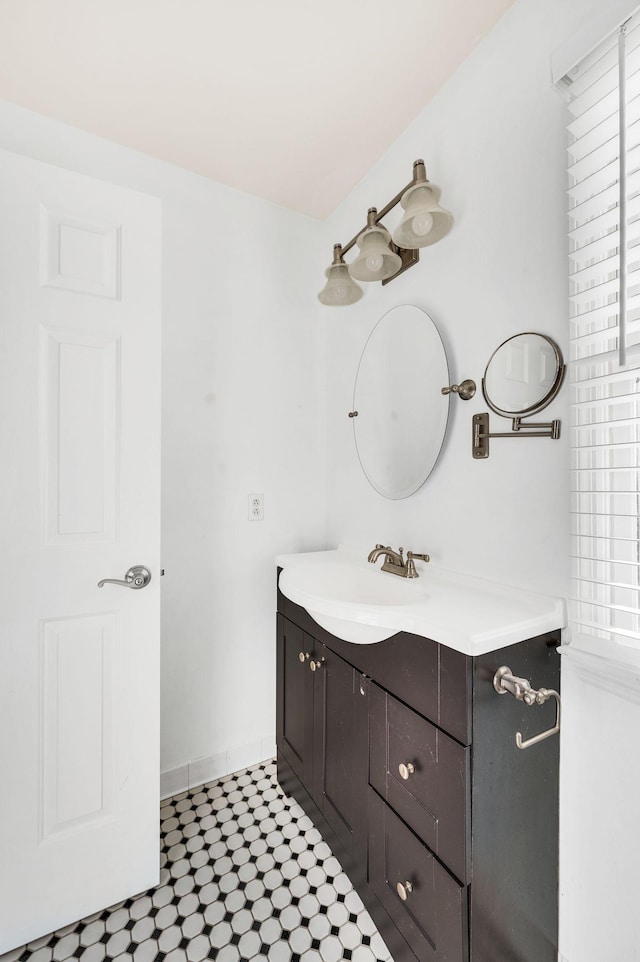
{"x": 481, "y": 433}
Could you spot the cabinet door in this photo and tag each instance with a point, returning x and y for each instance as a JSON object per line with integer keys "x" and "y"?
{"x": 340, "y": 749}
{"x": 294, "y": 723}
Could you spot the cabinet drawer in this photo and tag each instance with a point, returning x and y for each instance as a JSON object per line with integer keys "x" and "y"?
{"x": 434, "y": 918}
{"x": 433, "y": 798}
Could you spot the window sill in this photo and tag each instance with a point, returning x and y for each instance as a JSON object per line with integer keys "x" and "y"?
{"x": 610, "y": 666}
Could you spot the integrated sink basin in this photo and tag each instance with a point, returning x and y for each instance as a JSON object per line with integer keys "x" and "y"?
{"x": 356, "y": 602}
{"x": 359, "y": 603}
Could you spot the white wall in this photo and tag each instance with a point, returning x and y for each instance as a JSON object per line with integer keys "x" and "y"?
{"x": 494, "y": 140}
{"x": 600, "y": 842}
{"x": 242, "y": 413}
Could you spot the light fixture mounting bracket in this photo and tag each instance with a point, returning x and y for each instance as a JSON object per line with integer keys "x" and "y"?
{"x": 409, "y": 258}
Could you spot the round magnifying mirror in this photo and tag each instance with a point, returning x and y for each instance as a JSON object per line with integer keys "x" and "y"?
{"x": 401, "y": 413}
{"x": 523, "y": 375}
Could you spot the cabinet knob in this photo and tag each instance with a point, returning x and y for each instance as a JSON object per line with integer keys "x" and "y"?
{"x": 314, "y": 665}
{"x": 404, "y": 891}
{"x": 405, "y": 771}
{"x": 304, "y": 656}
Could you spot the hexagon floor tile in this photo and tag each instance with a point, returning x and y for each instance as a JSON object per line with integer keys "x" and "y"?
{"x": 245, "y": 875}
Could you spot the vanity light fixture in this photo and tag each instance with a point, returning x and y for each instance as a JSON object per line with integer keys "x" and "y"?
{"x": 382, "y": 256}
{"x": 424, "y": 221}
{"x": 339, "y": 289}
{"x": 376, "y": 261}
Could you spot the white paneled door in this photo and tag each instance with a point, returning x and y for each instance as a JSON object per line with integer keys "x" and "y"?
{"x": 79, "y": 502}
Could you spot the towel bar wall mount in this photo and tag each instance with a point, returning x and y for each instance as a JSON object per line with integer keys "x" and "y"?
{"x": 505, "y": 681}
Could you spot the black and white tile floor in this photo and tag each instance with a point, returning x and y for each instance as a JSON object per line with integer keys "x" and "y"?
{"x": 245, "y": 875}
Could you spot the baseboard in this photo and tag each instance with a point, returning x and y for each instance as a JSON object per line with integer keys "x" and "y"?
{"x": 200, "y": 770}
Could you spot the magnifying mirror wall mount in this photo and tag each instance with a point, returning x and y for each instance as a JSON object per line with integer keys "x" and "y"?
{"x": 481, "y": 433}
{"x": 523, "y": 376}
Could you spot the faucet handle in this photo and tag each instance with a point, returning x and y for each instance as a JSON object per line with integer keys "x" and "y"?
{"x": 414, "y": 554}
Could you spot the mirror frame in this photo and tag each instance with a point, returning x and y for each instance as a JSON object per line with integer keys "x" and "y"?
{"x": 561, "y": 369}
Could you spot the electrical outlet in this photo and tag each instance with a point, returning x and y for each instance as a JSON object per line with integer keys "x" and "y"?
{"x": 256, "y": 507}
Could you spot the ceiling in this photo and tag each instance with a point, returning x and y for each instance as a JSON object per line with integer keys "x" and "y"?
{"x": 291, "y": 100}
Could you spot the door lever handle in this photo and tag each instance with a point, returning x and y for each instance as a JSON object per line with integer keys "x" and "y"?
{"x": 136, "y": 577}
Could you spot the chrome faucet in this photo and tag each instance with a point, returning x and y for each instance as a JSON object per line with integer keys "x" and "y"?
{"x": 394, "y": 561}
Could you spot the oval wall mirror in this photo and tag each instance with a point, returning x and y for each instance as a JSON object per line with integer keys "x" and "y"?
{"x": 401, "y": 415}
{"x": 523, "y": 375}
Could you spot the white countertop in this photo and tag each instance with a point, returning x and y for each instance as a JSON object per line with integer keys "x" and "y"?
{"x": 357, "y": 601}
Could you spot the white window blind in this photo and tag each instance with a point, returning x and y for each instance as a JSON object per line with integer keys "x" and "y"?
{"x": 604, "y": 241}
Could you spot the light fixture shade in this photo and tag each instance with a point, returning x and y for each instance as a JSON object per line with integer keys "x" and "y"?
{"x": 376, "y": 261}
{"x": 424, "y": 221}
{"x": 339, "y": 289}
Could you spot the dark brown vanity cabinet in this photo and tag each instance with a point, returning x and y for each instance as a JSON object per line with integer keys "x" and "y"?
{"x": 404, "y": 756}
{"x": 321, "y": 730}
{"x": 295, "y": 699}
